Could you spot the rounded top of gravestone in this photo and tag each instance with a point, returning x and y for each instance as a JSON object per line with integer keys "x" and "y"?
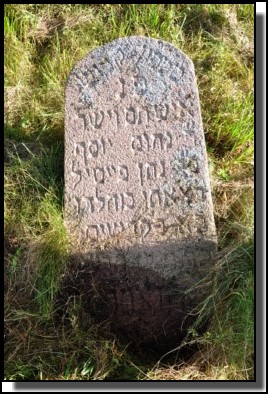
{"x": 152, "y": 60}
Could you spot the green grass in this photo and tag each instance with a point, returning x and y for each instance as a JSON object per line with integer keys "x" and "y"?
{"x": 42, "y": 44}
{"x": 228, "y": 309}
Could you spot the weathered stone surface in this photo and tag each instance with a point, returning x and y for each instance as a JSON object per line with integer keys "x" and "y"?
{"x": 136, "y": 174}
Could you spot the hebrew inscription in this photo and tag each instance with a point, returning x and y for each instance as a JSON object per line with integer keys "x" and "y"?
{"x": 135, "y": 155}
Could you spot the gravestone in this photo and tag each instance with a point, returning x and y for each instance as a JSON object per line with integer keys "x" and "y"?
{"x": 137, "y": 192}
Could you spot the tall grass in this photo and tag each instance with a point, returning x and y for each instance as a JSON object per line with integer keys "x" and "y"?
{"x": 42, "y": 44}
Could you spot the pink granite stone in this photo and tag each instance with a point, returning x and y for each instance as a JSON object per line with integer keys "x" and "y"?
{"x": 136, "y": 172}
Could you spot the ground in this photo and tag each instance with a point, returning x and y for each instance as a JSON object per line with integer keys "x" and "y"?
{"x": 42, "y": 44}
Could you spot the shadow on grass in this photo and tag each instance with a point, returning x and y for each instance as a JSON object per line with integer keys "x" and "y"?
{"x": 146, "y": 308}
{"x": 19, "y": 132}
{"x": 199, "y": 19}
{"x": 100, "y": 309}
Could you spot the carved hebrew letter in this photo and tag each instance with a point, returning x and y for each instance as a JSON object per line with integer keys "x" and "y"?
{"x": 94, "y": 148}
{"x": 137, "y": 143}
{"x": 99, "y": 174}
{"x": 155, "y": 198}
{"x": 131, "y": 115}
{"x": 113, "y": 202}
{"x": 96, "y": 119}
{"x": 130, "y": 197}
{"x": 162, "y": 111}
{"x": 123, "y": 173}
{"x": 100, "y": 200}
